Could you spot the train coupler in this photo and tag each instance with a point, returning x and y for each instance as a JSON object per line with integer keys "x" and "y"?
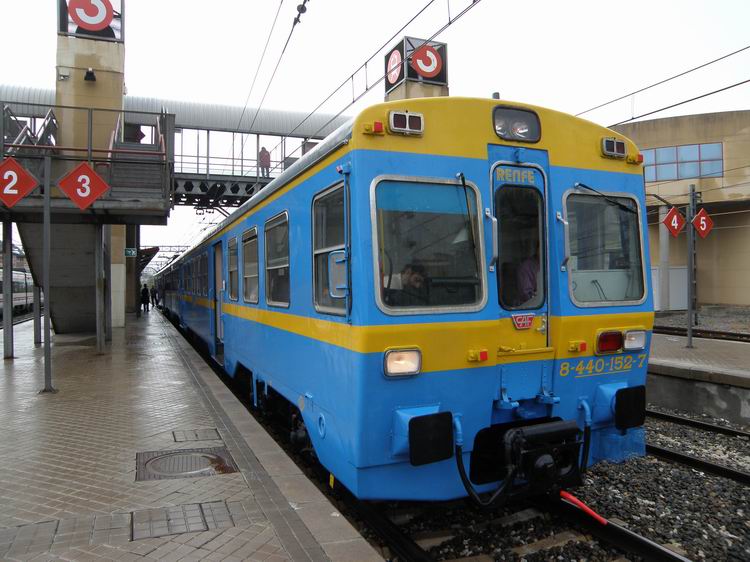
{"x": 545, "y": 455}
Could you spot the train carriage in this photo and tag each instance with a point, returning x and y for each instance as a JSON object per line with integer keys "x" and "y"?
{"x": 450, "y": 294}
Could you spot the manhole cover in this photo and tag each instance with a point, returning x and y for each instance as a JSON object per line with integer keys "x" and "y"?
{"x": 185, "y": 463}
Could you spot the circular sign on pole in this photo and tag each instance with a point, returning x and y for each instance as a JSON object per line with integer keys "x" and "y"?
{"x": 702, "y": 223}
{"x": 394, "y": 66}
{"x": 83, "y": 185}
{"x": 15, "y": 182}
{"x": 93, "y": 15}
{"x": 427, "y": 62}
{"x": 674, "y": 221}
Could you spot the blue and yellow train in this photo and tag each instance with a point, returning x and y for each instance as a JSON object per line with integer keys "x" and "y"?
{"x": 449, "y": 295}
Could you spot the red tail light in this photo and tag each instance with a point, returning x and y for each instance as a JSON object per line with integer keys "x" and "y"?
{"x": 609, "y": 342}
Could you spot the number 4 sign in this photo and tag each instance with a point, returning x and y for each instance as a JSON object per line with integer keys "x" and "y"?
{"x": 674, "y": 221}
{"x": 83, "y": 185}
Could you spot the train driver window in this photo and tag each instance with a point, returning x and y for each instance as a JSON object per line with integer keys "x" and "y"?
{"x": 328, "y": 236}
{"x": 520, "y": 273}
{"x": 606, "y": 259}
{"x": 233, "y": 268}
{"x": 250, "y": 266}
{"x": 428, "y": 246}
{"x": 277, "y": 261}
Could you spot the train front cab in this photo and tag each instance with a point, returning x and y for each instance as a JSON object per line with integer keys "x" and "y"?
{"x": 500, "y": 381}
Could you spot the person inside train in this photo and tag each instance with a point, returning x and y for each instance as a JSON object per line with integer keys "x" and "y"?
{"x": 413, "y": 287}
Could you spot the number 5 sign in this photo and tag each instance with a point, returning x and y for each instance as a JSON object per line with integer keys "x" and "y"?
{"x": 83, "y": 185}
{"x": 15, "y": 182}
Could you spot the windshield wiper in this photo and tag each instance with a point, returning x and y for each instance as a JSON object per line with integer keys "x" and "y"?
{"x": 606, "y": 198}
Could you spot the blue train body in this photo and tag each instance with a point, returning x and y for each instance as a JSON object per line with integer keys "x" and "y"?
{"x": 390, "y": 388}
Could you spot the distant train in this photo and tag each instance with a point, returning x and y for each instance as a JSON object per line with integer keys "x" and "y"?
{"x": 23, "y": 296}
{"x": 447, "y": 297}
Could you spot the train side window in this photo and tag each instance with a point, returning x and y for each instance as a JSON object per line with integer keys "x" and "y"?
{"x": 520, "y": 221}
{"x": 328, "y": 236}
{"x": 204, "y": 270}
{"x": 233, "y": 268}
{"x": 250, "y": 266}
{"x": 277, "y": 260}
{"x": 189, "y": 278}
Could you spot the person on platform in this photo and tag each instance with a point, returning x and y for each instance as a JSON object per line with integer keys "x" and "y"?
{"x": 154, "y": 297}
{"x": 265, "y": 162}
{"x": 145, "y": 297}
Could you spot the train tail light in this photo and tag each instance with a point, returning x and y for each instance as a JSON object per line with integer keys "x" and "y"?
{"x": 609, "y": 342}
{"x": 406, "y": 123}
{"x": 635, "y": 340}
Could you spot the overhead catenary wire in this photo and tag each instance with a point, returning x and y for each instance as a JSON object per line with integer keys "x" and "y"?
{"x": 725, "y": 88}
{"x": 260, "y": 63}
{"x": 664, "y": 81}
{"x": 406, "y": 60}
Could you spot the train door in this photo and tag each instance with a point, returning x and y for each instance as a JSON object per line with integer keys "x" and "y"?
{"x": 218, "y": 297}
{"x": 519, "y": 194}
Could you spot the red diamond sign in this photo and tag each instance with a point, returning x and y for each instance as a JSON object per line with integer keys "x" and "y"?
{"x": 15, "y": 182}
{"x": 702, "y": 223}
{"x": 674, "y": 221}
{"x": 83, "y": 185}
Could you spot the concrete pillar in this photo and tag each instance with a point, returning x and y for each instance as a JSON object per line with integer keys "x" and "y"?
{"x": 131, "y": 271}
{"x": 118, "y": 275}
{"x": 663, "y": 259}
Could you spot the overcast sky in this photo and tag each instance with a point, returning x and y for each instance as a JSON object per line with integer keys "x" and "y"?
{"x": 565, "y": 55}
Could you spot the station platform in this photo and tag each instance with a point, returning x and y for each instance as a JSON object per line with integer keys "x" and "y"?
{"x": 143, "y": 453}
{"x": 711, "y": 378}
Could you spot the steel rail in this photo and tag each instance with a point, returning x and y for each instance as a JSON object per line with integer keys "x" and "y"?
{"x": 400, "y": 544}
{"x": 614, "y": 534}
{"x": 705, "y": 426}
{"x": 20, "y": 319}
{"x": 702, "y": 333}
{"x": 699, "y": 464}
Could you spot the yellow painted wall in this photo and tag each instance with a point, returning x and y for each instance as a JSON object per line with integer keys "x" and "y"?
{"x": 723, "y": 264}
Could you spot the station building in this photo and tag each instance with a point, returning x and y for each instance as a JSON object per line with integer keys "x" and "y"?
{"x": 711, "y": 151}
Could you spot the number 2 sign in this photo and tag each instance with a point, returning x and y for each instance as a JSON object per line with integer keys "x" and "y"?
{"x": 83, "y": 185}
{"x": 15, "y": 182}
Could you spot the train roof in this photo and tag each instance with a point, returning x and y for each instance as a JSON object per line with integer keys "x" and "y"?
{"x": 463, "y": 122}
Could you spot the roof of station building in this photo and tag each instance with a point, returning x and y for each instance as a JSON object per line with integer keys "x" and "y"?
{"x": 193, "y": 115}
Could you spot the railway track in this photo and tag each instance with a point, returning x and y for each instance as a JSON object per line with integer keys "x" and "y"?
{"x": 702, "y": 333}
{"x": 691, "y": 460}
{"x": 574, "y": 525}
{"x": 19, "y": 319}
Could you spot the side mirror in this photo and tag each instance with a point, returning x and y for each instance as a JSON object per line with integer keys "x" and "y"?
{"x": 337, "y": 279}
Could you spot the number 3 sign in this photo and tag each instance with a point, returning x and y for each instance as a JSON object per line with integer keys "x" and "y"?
{"x": 83, "y": 185}
{"x": 93, "y": 15}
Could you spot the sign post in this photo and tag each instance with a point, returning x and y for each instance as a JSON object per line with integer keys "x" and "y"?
{"x": 15, "y": 184}
{"x": 46, "y": 242}
{"x": 691, "y": 267}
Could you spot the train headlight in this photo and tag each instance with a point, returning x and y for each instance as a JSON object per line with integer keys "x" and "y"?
{"x": 402, "y": 362}
{"x": 635, "y": 340}
{"x": 517, "y": 124}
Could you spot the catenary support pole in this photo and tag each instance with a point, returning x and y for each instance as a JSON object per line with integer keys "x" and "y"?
{"x": 46, "y": 252}
{"x": 8, "y": 288}
{"x": 99, "y": 280}
{"x": 691, "y": 265}
{"x": 37, "y": 315}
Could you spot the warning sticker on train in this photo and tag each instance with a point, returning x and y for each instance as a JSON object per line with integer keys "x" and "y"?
{"x": 15, "y": 182}
{"x": 427, "y": 61}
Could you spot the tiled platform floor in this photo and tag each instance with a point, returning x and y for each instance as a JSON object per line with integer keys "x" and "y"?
{"x": 67, "y": 461}
{"x": 716, "y": 361}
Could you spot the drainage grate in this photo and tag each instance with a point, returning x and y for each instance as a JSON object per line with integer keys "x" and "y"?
{"x": 183, "y": 463}
{"x": 196, "y": 435}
